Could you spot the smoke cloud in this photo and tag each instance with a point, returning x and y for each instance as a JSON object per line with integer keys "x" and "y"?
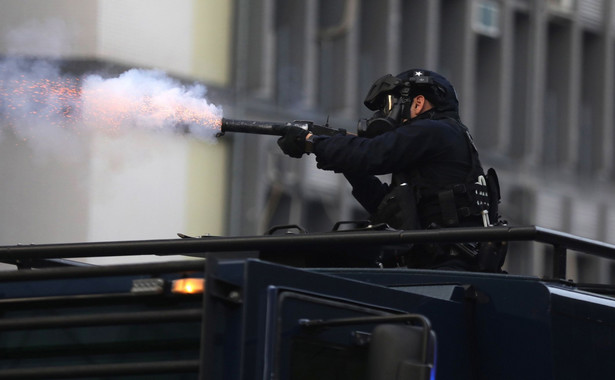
{"x": 145, "y": 101}
{"x": 50, "y": 111}
{"x": 148, "y": 100}
{"x": 35, "y": 103}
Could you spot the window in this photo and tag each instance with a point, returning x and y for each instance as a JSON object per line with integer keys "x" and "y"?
{"x": 562, "y": 6}
{"x": 487, "y": 18}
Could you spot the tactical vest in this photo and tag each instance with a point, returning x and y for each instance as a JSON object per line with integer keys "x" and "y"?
{"x": 415, "y": 203}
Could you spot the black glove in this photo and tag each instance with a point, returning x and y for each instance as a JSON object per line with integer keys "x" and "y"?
{"x": 293, "y": 142}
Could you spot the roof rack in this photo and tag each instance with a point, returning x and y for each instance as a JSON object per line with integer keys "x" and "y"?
{"x": 199, "y": 247}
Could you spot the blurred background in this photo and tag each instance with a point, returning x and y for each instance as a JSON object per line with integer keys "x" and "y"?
{"x": 534, "y": 78}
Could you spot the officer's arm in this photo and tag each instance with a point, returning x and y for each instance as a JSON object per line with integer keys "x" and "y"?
{"x": 390, "y": 152}
{"x": 367, "y": 190}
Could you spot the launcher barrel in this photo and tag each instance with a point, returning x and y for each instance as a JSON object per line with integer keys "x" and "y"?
{"x": 258, "y": 127}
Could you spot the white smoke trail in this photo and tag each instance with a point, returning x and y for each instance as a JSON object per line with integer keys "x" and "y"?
{"x": 148, "y": 100}
{"x": 35, "y": 101}
{"x": 51, "y": 111}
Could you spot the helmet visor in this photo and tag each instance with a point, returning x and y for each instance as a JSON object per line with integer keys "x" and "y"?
{"x": 377, "y": 95}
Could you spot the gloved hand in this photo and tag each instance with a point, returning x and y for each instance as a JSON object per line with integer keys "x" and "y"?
{"x": 293, "y": 142}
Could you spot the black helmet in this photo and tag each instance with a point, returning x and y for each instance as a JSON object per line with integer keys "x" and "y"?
{"x": 436, "y": 88}
{"x": 433, "y": 86}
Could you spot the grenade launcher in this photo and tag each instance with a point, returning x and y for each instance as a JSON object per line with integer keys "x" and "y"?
{"x": 275, "y": 129}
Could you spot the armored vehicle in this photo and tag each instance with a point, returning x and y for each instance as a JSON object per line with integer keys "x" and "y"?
{"x": 300, "y": 306}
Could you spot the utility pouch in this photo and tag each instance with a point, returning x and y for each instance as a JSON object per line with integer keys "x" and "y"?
{"x": 493, "y": 189}
{"x": 398, "y": 209}
{"x": 491, "y": 256}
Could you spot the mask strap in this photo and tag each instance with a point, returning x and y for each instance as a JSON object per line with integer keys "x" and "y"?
{"x": 406, "y": 103}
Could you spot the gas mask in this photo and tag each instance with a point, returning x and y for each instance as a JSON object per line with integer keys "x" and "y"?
{"x": 389, "y": 97}
{"x": 383, "y": 120}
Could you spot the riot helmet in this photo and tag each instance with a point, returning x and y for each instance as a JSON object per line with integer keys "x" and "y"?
{"x": 434, "y": 87}
{"x": 391, "y": 97}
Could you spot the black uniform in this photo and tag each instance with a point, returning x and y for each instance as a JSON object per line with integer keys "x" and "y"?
{"x": 431, "y": 146}
{"x": 432, "y": 160}
{"x": 432, "y": 152}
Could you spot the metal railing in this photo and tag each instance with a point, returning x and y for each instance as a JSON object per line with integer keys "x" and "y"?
{"x": 199, "y": 247}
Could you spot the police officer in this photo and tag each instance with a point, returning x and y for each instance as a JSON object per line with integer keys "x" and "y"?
{"x": 415, "y": 135}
